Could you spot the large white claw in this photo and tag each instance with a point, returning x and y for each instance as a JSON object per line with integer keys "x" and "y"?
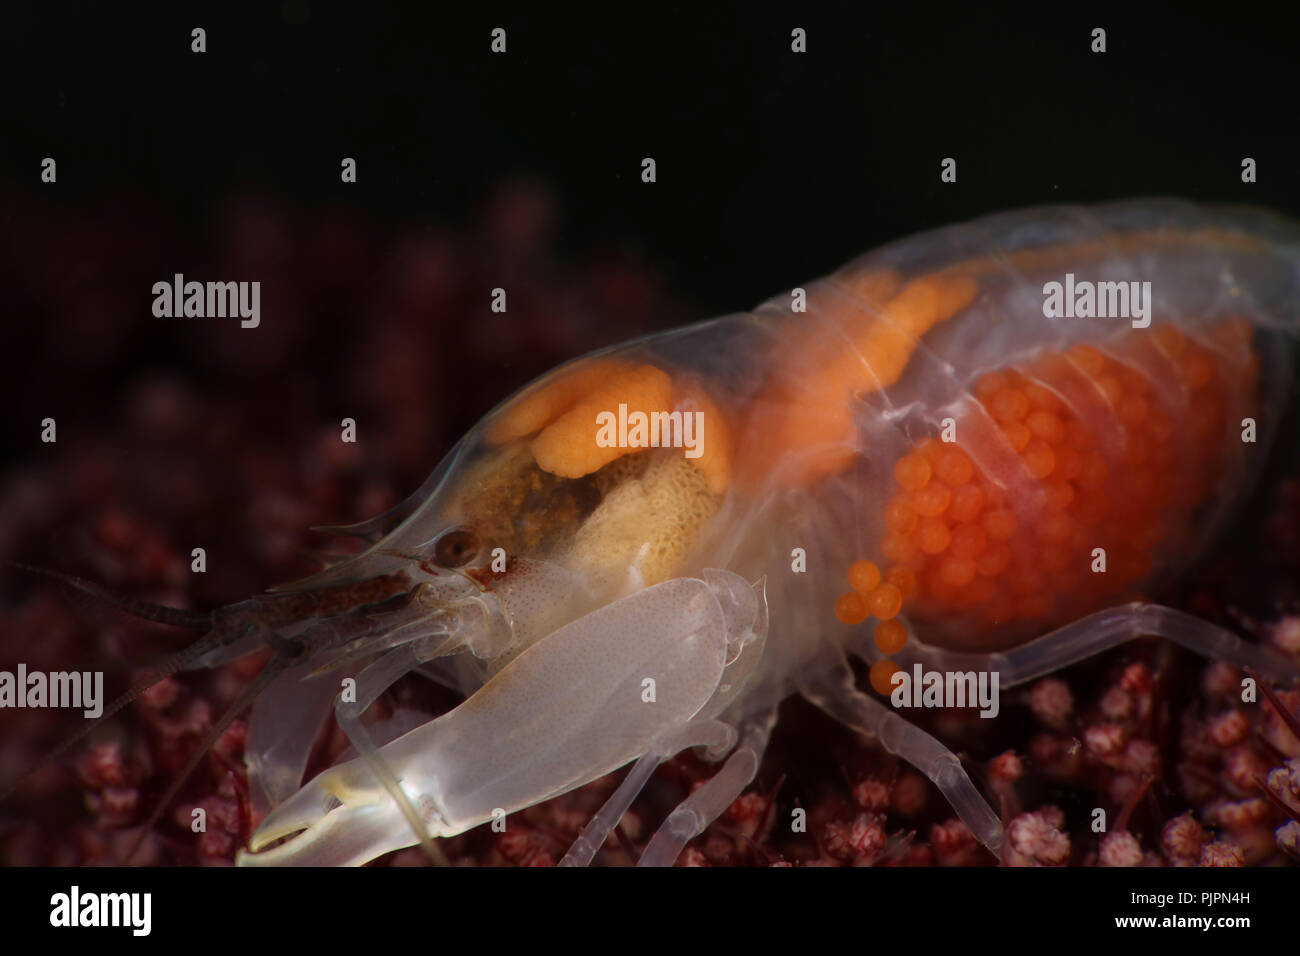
{"x": 578, "y": 704}
{"x": 341, "y": 827}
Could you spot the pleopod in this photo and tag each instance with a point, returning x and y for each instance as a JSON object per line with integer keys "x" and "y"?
{"x": 976, "y": 453}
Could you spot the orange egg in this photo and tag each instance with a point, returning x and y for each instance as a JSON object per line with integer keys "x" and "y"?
{"x": 932, "y": 500}
{"x": 898, "y": 548}
{"x": 885, "y": 601}
{"x": 890, "y": 636}
{"x": 863, "y": 576}
{"x": 903, "y": 578}
{"x": 1046, "y": 426}
{"x": 850, "y": 608}
{"x": 1000, "y": 524}
{"x": 968, "y": 540}
{"x": 881, "y": 676}
{"x": 956, "y": 572}
{"x": 954, "y": 467}
{"x": 1017, "y": 434}
{"x": 900, "y": 516}
{"x": 1009, "y": 405}
{"x": 1039, "y": 459}
{"x": 912, "y": 472}
{"x": 932, "y": 535}
{"x": 966, "y": 502}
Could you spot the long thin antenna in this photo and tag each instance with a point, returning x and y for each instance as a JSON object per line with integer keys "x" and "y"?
{"x": 174, "y": 616}
{"x": 170, "y": 666}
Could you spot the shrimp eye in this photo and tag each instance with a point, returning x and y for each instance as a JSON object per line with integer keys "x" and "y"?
{"x": 456, "y": 547}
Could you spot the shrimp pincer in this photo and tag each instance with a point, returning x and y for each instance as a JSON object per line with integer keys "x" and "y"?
{"x": 969, "y": 458}
{"x": 515, "y": 742}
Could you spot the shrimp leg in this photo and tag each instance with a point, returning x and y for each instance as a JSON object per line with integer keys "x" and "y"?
{"x": 286, "y": 720}
{"x": 590, "y": 697}
{"x": 1106, "y": 629}
{"x": 838, "y": 696}
{"x": 713, "y": 734}
{"x": 706, "y": 804}
{"x": 370, "y": 683}
{"x": 283, "y": 726}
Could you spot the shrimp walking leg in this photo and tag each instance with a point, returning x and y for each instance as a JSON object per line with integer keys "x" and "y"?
{"x": 285, "y": 722}
{"x": 1106, "y": 629}
{"x": 708, "y": 733}
{"x": 707, "y": 803}
{"x": 370, "y": 683}
{"x": 839, "y": 698}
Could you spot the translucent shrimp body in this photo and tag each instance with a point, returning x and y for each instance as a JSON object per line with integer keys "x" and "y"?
{"x": 993, "y": 439}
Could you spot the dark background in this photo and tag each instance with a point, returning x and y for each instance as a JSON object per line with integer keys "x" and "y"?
{"x": 773, "y": 166}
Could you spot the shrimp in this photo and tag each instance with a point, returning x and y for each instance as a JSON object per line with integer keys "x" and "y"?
{"x": 651, "y": 547}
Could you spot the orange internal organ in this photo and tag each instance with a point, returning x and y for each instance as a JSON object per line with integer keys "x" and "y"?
{"x": 542, "y": 405}
{"x": 561, "y": 414}
{"x": 1107, "y": 463}
{"x": 568, "y": 447}
{"x": 803, "y": 417}
{"x": 715, "y": 434}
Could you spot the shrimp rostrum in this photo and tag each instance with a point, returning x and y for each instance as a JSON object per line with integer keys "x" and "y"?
{"x": 978, "y": 451}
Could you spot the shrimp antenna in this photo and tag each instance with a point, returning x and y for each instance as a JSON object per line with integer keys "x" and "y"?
{"x": 152, "y": 612}
{"x": 170, "y": 666}
{"x": 174, "y": 616}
